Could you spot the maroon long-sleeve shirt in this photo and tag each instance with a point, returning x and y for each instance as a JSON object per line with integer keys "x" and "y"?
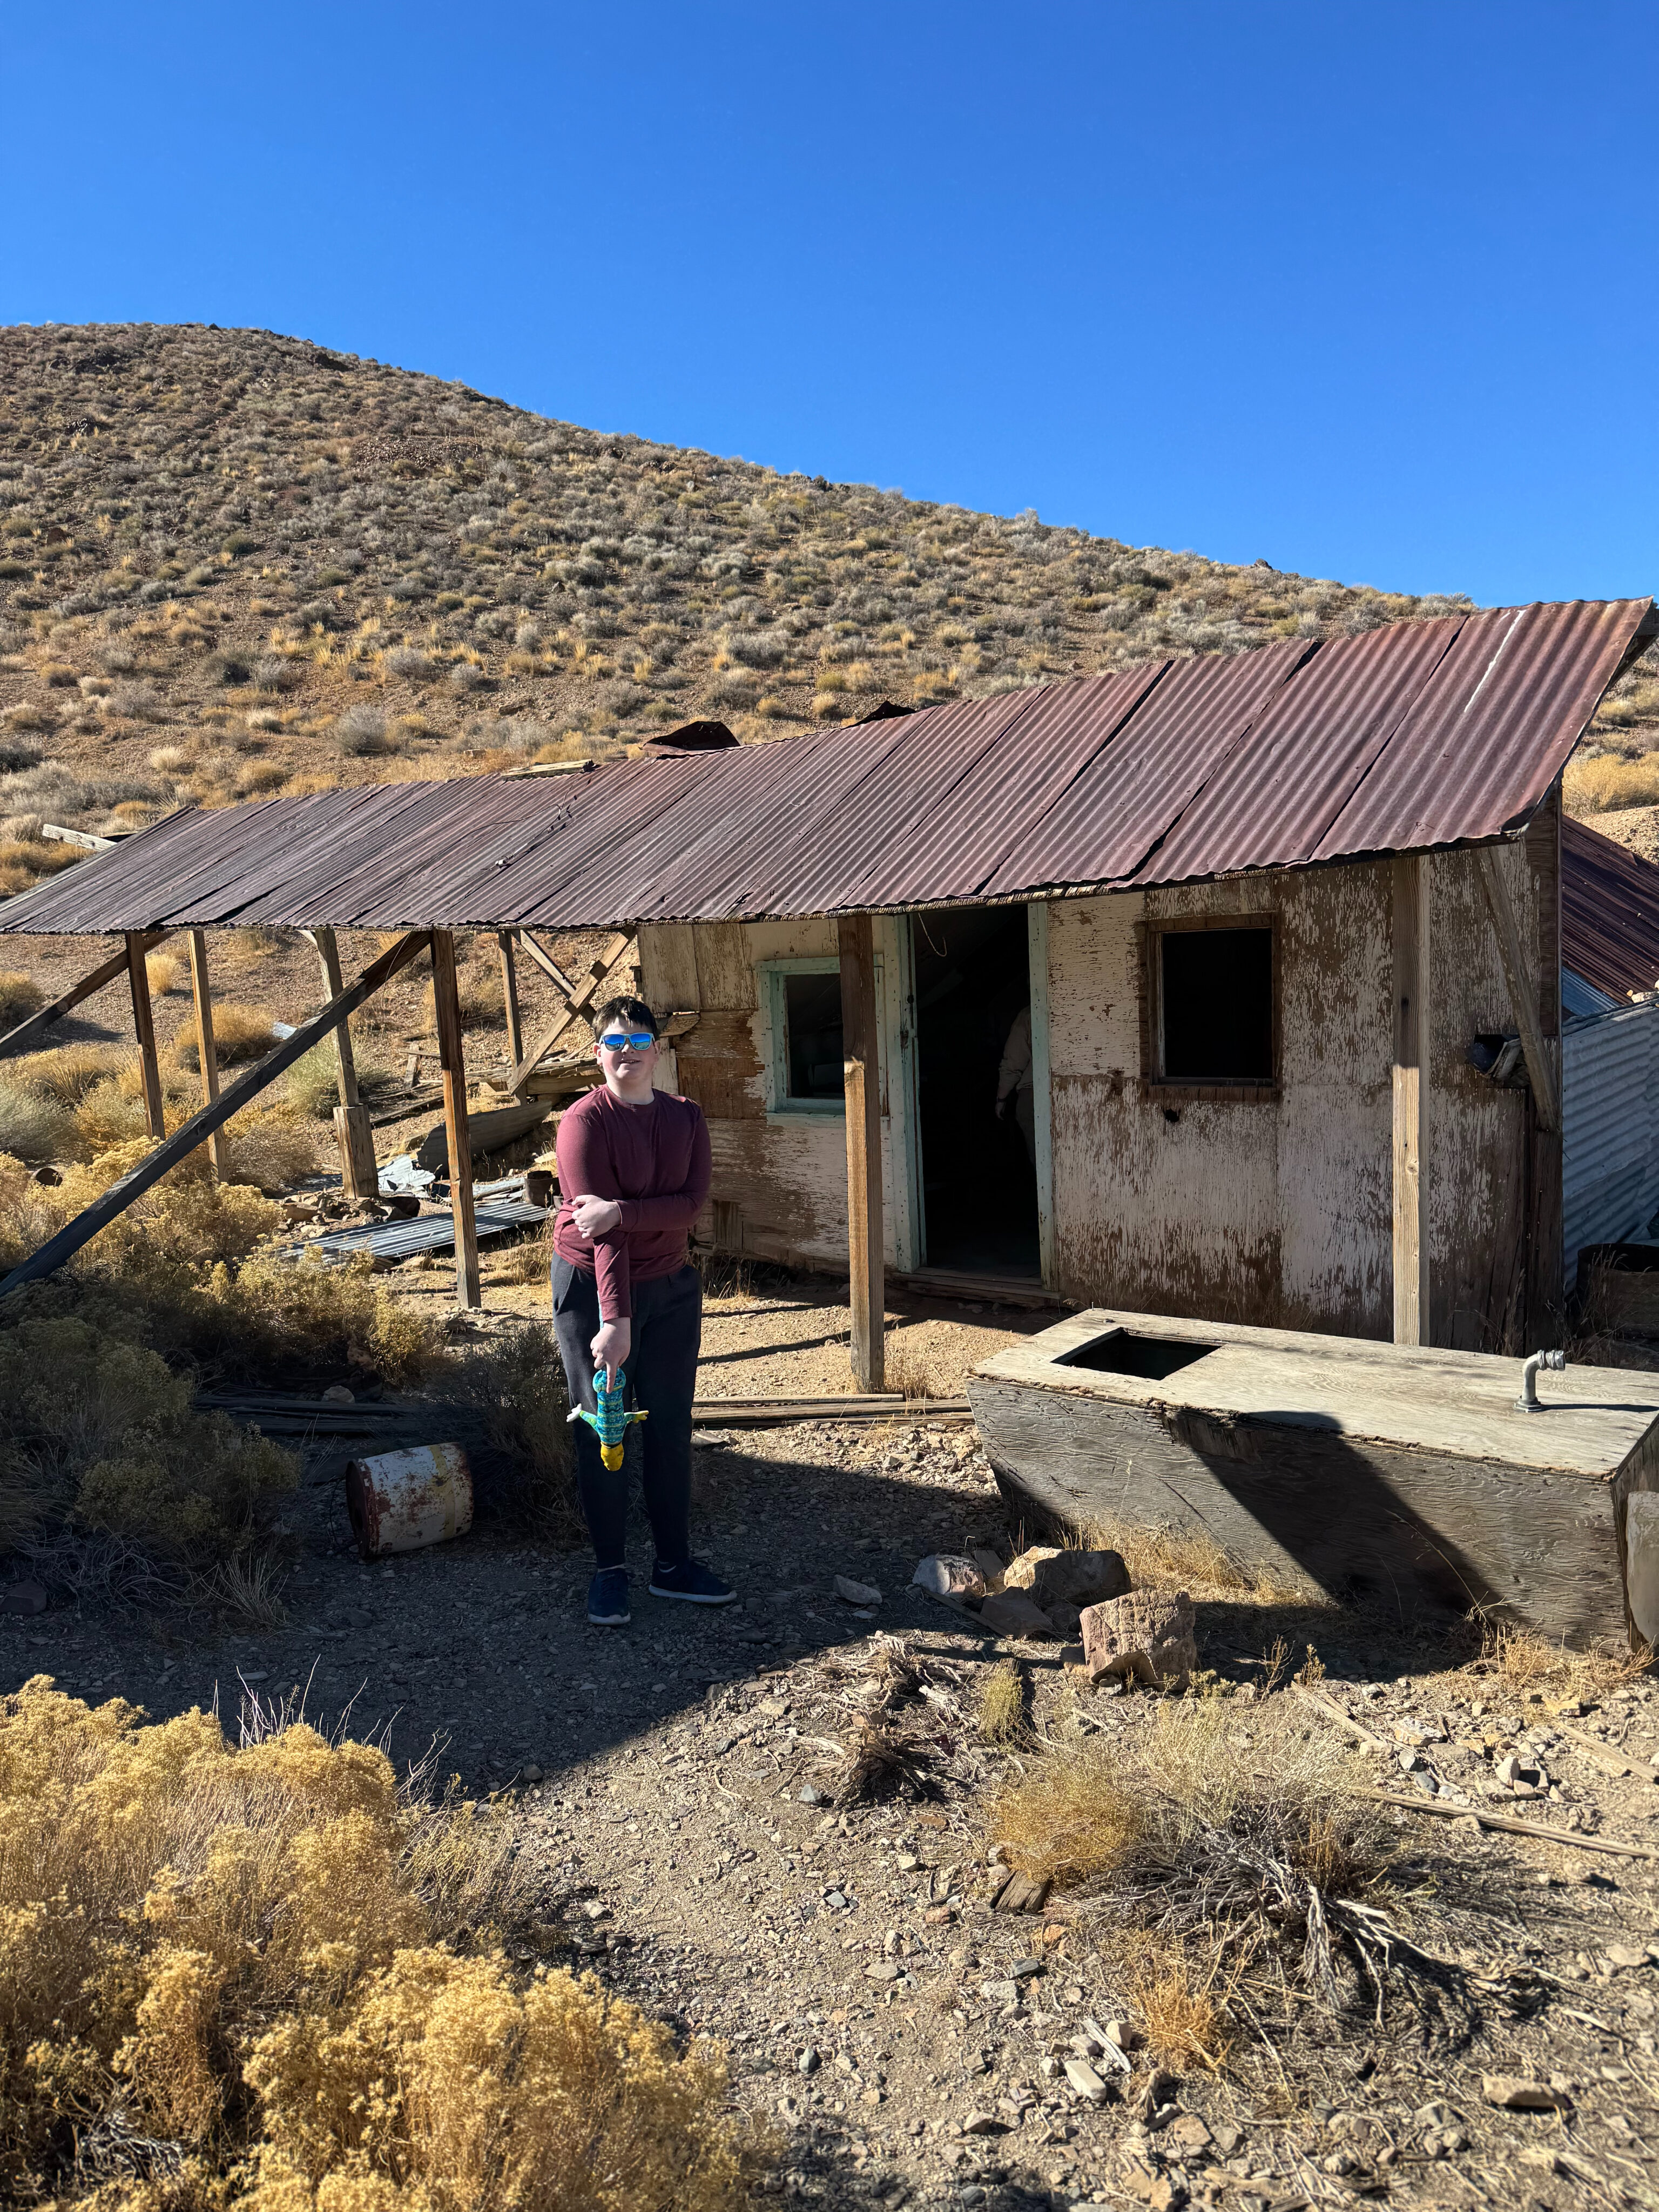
{"x": 654, "y": 1160}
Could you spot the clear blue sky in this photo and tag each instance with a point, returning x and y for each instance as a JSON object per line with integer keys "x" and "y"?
{"x": 1362, "y": 291}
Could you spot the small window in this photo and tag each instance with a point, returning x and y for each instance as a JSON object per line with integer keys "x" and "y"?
{"x": 1215, "y": 990}
{"x": 813, "y": 1056}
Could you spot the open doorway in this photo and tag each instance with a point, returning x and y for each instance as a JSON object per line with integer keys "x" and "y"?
{"x": 973, "y": 1036}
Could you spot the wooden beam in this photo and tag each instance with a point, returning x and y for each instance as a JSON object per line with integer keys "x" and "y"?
{"x": 1410, "y": 880}
{"x": 451, "y": 1057}
{"x": 201, "y": 1124}
{"x": 549, "y": 966}
{"x": 1524, "y": 1000}
{"x": 144, "y": 1024}
{"x": 510, "y": 996}
{"x": 612, "y": 958}
{"x": 859, "y": 1030}
{"x": 360, "y": 1173}
{"x": 105, "y": 972}
{"x": 207, "y": 1051}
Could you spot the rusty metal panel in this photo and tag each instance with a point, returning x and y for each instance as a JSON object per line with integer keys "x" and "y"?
{"x": 1492, "y": 729}
{"x": 1609, "y": 913}
{"x": 1119, "y": 808}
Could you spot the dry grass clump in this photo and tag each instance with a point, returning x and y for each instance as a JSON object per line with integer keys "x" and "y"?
{"x": 1601, "y": 784}
{"x": 20, "y": 996}
{"x": 165, "y": 971}
{"x": 910, "y": 1370}
{"x": 70, "y": 1071}
{"x": 311, "y": 1085}
{"x": 239, "y": 1033}
{"x": 1176, "y": 1557}
{"x": 1526, "y": 1662}
{"x": 34, "y": 1126}
{"x": 1002, "y": 1705}
{"x": 1221, "y": 1847}
{"x": 95, "y": 1430}
{"x": 243, "y": 1956}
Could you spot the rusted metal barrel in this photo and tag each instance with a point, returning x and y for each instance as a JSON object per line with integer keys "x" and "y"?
{"x": 402, "y": 1501}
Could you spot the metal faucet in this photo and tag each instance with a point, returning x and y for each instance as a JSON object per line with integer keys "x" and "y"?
{"x": 1528, "y": 1401}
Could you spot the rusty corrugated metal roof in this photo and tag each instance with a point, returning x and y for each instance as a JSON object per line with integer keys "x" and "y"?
{"x": 1609, "y": 913}
{"x": 1418, "y": 735}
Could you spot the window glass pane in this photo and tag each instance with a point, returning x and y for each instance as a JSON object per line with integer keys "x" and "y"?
{"x": 812, "y": 1026}
{"x": 1218, "y": 1000}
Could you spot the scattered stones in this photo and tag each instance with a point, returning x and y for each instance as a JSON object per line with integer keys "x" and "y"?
{"x": 1000, "y": 1992}
{"x": 1147, "y": 1636}
{"x": 1011, "y": 1612}
{"x": 1188, "y": 2133}
{"x": 337, "y": 1394}
{"x": 1627, "y": 1955}
{"x": 1513, "y": 2092}
{"x": 808, "y": 2062}
{"x": 1070, "y": 1578}
{"x": 811, "y": 1794}
{"x": 949, "y": 1574}
{"x": 859, "y": 1593}
{"x": 26, "y": 1598}
{"x": 981, "y": 2124}
{"x": 884, "y": 1969}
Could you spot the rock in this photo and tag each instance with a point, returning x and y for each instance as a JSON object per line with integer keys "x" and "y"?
{"x": 1079, "y": 1579}
{"x": 1025, "y": 1970}
{"x": 1126, "y": 2036}
{"x": 852, "y": 1593}
{"x": 948, "y": 1575}
{"x": 989, "y": 1563}
{"x": 1188, "y": 2133}
{"x": 999, "y": 1993}
{"x": 1228, "y": 2138}
{"x": 22, "y": 1597}
{"x": 1508, "y": 1770}
{"x": 882, "y": 1970}
{"x": 1147, "y": 1636}
{"x": 337, "y": 1394}
{"x": 981, "y": 2124}
{"x": 1627, "y": 1955}
{"x": 532, "y": 1773}
{"x": 1513, "y": 2092}
{"x": 1410, "y": 1761}
{"x": 1084, "y": 2080}
{"x": 1011, "y": 1612}
{"x": 808, "y": 2062}
{"x": 939, "y": 1916}
{"x": 811, "y": 1794}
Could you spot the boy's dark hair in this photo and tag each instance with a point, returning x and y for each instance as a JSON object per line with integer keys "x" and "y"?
{"x": 628, "y": 1013}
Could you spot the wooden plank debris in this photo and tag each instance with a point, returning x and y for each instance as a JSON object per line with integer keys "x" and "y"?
{"x": 1410, "y": 878}
{"x": 510, "y": 996}
{"x": 774, "y": 1412}
{"x": 201, "y": 1124}
{"x": 360, "y": 1174}
{"x": 1506, "y": 1827}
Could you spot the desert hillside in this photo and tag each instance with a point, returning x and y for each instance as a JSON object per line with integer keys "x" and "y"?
{"x": 233, "y": 563}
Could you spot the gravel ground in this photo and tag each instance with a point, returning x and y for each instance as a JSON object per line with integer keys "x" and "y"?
{"x": 672, "y": 1787}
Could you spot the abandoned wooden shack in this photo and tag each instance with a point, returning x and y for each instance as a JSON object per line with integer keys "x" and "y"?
{"x": 1164, "y": 989}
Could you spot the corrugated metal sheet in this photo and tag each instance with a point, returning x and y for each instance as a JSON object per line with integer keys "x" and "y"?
{"x": 1609, "y": 1129}
{"x": 1581, "y": 1001}
{"x": 1609, "y": 913}
{"x": 1418, "y": 735}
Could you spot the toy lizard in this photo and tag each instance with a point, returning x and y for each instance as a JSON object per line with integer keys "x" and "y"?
{"x": 611, "y": 1418}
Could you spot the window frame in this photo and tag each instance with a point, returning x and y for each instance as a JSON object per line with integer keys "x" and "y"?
{"x": 772, "y": 974}
{"x": 1179, "y": 1090}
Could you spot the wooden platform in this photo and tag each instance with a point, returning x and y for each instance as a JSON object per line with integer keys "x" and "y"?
{"x": 1335, "y": 1465}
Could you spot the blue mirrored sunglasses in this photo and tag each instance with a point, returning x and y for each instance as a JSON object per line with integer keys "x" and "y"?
{"x": 614, "y": 1040}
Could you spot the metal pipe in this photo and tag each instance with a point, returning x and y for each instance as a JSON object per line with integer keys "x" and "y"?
{"x": 1527, "y": 1403}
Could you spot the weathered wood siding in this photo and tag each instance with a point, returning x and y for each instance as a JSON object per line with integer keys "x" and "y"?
{"x": 1274, "y": 1209}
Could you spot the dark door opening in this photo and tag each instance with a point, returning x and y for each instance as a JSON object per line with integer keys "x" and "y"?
{"x": 973, "y": 1029}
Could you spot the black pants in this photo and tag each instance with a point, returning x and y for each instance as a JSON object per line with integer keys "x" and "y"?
{"x": 662, "y": 1374}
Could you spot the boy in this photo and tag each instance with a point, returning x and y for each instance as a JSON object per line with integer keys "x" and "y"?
{"x": 633, "y": 1175}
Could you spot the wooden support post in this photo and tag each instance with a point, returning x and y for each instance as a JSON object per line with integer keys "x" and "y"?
{"x": 201, "y": 1124}
{"x": 105, "y": 972}
{"x": 510, "y": 997}
{"x": 859, "y": 1029}
{"x": 549, "y": 966}
{"x": 612, "y": 958}
{"x": 144, "y": 1028}
{"x": 207, "y": 1051}
{"x": 1523, "y": 999}
{"x": 453, "y": 1059}
{"x": 1411, "y": 1095}
{"x": 360, "y": 1173}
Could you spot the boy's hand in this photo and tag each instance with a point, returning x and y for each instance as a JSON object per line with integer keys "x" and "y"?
{"x": 613, "y": 1343}
{"x": 594, "y": 1216}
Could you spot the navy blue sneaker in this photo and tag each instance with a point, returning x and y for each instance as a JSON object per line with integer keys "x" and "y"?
{"x": 607, "y": 1598}
{"x": 696, "y": 1584}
